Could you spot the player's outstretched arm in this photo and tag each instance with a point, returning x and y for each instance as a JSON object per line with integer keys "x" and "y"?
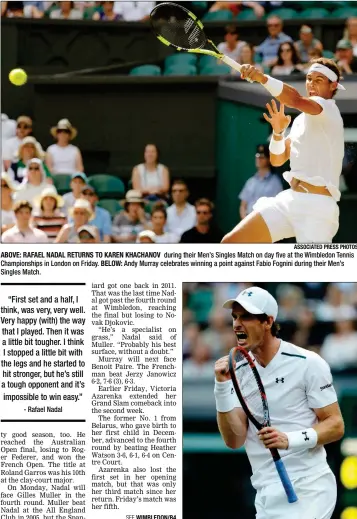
{"x": 286, "y": 94}
{"x": 232, "y": 421}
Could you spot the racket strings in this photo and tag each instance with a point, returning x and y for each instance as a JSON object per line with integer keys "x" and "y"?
{"x": 250, "y": 390}
{"x": 173, "y": 23}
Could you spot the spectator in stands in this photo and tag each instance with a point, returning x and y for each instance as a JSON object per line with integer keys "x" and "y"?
{"x": 334, "y": 306}
{"x": 146, "y": 237}
{"x": 65, "y": 11}
{"x": 47, "y": 215}
{"x": 151, "y": 178}
{"x": 22, "y": 232}
{"x": 7, "y": 211}
{"x": 29, "y": 149}
{"x": 130, "y": 222}
{"x": 262, "y": 184}
{"x": 28, "y": 9}
{"x": 345, "y": 58}
{"x": 200, "y": 362}
{"x": 158, "y": 222}
{"x": 307, "y": 43}
{"x": 80, "y": 213}
{"x": 350, "y": 33}
{"x": 106, "y": 13}
{"x": 303, "y": 336}
{"x": 268, "y": 49}
{"x": 78, "y": 181}
{"x": 235, "y": 7}
{"x": 134, "y": 11}
{"x": 11, "y": 146}
{"x": 288, "y": 61}
{"x": 8, "y": 129}
{"x": 340, "y": 348}
{"x": 34, "y": 181}
{"x": 181, "y": 216}
{"x": 219, "y": 323}
{"x": 87, "y": 234}
{"x": 204, "y": 231}
{"x": 231, "y": 46}
{"x": 63, "y": 157}
{"x": 247, "y": 56}
{"x": 291, "y": 301}
{"x": 101, "y": 219}
{"x": 12, "y": 9}
{"x": 190, "y": 334}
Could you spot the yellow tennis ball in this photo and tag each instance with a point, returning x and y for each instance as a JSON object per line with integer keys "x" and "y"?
{"x": 18, "y": 76}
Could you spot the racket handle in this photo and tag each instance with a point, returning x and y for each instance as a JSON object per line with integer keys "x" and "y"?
{"x": 288, "y": 487}
{"x": 231, "y": 63}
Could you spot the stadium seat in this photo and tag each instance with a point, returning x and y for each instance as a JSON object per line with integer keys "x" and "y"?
{"x": 145, "y": 70}
{"x": 344, "y": 12}
{"x": 206, "y": 61}
{"x": 181, "y": 70}
{"x": 89, "y": 12}
{"x": 107, "y": 186}
{"x": 62, "y": 182}
{"x": 328, "y": 54}
{"x": 215, "y": 70}
{"x": 313, "y": 13}
{"x": 218, "y": 16}
{"x": 327, "y": 4}
{"x": 247, "y": 15}
{"x": 185, "y": 58}
{"x": 199, "y": 6}
{"x": 285, "y": 13}
{"x": 113, "y": 206}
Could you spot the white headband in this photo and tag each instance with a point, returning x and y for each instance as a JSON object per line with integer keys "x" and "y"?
{"x": 318, "y": 67}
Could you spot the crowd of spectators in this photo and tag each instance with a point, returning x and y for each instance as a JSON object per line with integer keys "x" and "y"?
{"x": 320, "y": 317}
{"x": 279, "y": 55}
{"x": 108, "y": 11}
{"x": 154, "y": 204}
{"x": 155, "y": 208}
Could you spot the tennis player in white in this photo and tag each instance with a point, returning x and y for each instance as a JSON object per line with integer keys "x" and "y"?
{"x": 303, "y": 407}
{"x": 308, "y": 211}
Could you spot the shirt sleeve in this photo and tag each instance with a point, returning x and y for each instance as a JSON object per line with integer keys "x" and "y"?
{"x": 319, "y": 384}
{"x": 244, "y": 195}
{"x": 325, "y": 105}
{"x": 277, "y": 186}
{"x": 107, "y": 224}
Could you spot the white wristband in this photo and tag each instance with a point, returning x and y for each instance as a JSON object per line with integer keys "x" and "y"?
{"x": 277, "y": 147}
{"x": 281, "y": 134}
{"x": 299, "y": 440}
{"x": 274, "y": 86}
{"x": 225, "y": 396}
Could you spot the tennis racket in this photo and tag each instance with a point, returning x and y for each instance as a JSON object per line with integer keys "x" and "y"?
{"x": 251, "y": 394}
{"x": 175, "y": 26}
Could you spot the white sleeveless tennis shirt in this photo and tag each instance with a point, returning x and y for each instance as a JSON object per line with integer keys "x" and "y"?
{"x": 317, "y": 147}
{"x": 296, "y": 381}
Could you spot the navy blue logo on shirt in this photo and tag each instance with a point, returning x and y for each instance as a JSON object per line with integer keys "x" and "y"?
{"x": 325, "y": 387}
{"x": 306, "y": 436}
{"x": 248, "y": 293}
{"x": 277, "y": 380}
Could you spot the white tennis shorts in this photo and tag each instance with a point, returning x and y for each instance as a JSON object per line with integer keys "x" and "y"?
{"x": 316, "y": 499}
{"x": 307, "y": 217}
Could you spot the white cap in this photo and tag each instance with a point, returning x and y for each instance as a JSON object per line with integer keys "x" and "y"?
{"x": 147, "y": 234}
{"x": 256, "y": 301}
